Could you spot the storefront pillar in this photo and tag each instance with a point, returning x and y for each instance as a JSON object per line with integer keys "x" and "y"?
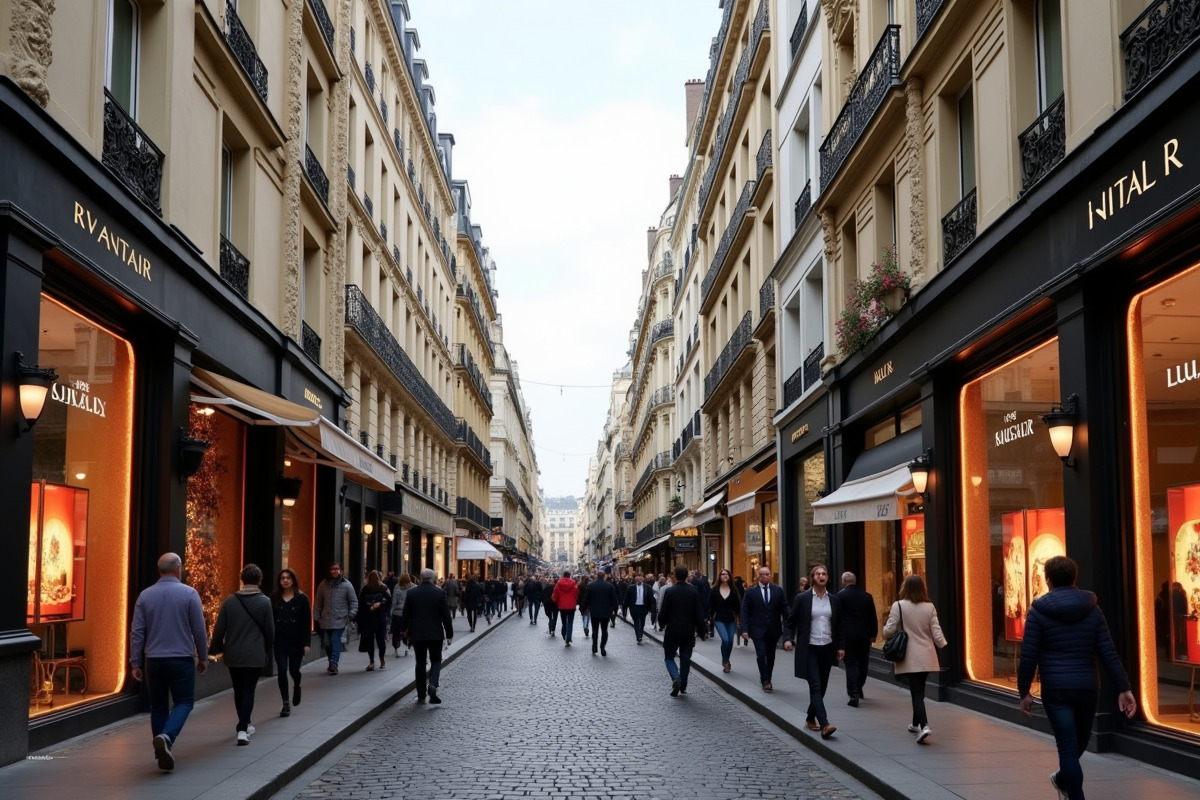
{"x": 264, "y": 513}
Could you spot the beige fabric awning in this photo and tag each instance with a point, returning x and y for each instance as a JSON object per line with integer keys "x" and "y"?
{"x": 708, "y": 509}
{"x": 874, "y": 497}
{"x": 476, "y": 550}
{"x": 256, "y": 407}
{"x": 636, "y": 554}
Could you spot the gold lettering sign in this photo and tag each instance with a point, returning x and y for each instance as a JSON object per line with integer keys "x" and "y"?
{"x": 1140, "y": 179}
{"x": 801, "y": 431}
{"x": 883, "y": 372}
{"x": 312, "y": 398}
{"x": 112, "y": 241}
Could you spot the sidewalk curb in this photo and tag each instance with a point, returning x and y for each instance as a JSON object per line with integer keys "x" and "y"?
{"x": 305, "y": 762}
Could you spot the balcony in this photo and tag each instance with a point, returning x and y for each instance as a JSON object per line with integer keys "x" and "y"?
{"x": 466, "y": 435}
{"x": 660, "y": 462}
{"x": 733, "y": 348}
{"x": 310, "y": 343}
{"x": 235, "y": 268}
{"x": 383, "y": 110}
{"x": 766, "y": 299}
{"x": 657, "y": 528}
{"x": 793, "y": 387}
{"x": 398, "y": 142}
{"x": 804, "y": 203}
{"x": 798, "y": 31}
{"x": 1043, "y": 144}
{"x": 465, "y": 360}
{"x": 316, "y": 175}
{"x": 369, "y": 204}
{"x": 662, "y": 330}
{"x": 727, "y": 239}
{"x": 812, "y": 365}
{"x": 878, "y": 77}
{"x": 133, "y": 158}
{"x": 369, "y": 77}
{"x": 1159, "y": 34}
{"x": 926, "y": 11}
{"x": 244, "y": 51}
{"x": 467, "y": 510}
{"x": 321, "y": 15}
{"x": 764, "y": 158}
{"x": 958, "y": 227}
{"x": 367, "y": 322}
{"x": 350, "y": 175}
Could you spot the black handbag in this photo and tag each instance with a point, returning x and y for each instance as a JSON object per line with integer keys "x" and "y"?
{"x": 895, "y": 647}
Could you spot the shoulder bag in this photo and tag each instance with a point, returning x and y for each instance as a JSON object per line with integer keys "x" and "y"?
{"x": 895, "y": 647}
{"x": 268, "y": 670}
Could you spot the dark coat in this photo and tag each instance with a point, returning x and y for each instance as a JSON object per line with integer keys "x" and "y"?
{"x": 426, "y": 614}
{"x": 725, "y": 609}
{"x": 799, "y": 627}
{"x": 473, "y": 596}
{"x": 1066, "y": 638}
{"x": 682, "y": 616}
{"x": 631, "y": 596}
{"x": 601, "y": 599}
{"x": 760, "y": 620}
{"x": 293, "y": 624}
{"x": 533, "y": 591}
{"x": 860, "y": 622}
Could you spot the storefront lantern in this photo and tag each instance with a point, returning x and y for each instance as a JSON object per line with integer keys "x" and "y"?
{"x": 289, "y": 490}
{"x": 1061, "y": 421}
{"x": 35, "y": 386}
{"x": 919, "y": 469}
{"x": 191, "y": 455}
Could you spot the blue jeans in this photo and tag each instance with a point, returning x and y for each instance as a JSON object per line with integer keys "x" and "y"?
{"x": 679, "y": 673}
{"x": 568, "y": 622}
{"x": 1070, "y": 712}
{"x": 727, "y": 631}
{"x": 173, "y": 679}
{"x": 332, "y": 639}
{"x": 821, "y": 658}
{"x": 586, "y": 619}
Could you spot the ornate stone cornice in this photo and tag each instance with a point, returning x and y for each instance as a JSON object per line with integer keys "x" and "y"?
{"x": 914, "y": 134}
{"x": 30, "y": 41}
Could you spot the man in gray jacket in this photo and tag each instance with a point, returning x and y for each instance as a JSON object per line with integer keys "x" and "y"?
{"x": 335, "y": 606}
{"x": 245, "y": 636}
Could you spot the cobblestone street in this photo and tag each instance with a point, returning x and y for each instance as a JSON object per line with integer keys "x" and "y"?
{"x": 524, "y": 716}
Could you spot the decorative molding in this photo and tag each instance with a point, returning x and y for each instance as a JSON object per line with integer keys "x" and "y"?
{"x": 293, "y": 171}
{"x": 914, "y": 133}
{"x": 30, "y": 42}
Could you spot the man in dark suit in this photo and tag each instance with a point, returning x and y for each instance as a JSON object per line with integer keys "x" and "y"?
{"x": 814, "y": 626}
{"x": 860, "y": 626}
{"x": 683, "y": 619}
{"x": 602, "y": 603}
{"x": 533, "y": 598}
{"x": 426, "y": 617}
{"x": 639, "y": 599}
{"x": 763, "y": 611}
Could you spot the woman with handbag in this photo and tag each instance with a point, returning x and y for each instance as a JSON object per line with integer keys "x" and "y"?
{"x": 373, "y": 603}
{"x": 913, "y": 623}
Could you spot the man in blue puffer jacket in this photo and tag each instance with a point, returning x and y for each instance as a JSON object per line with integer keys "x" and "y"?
{"x": 1065, "y": 636}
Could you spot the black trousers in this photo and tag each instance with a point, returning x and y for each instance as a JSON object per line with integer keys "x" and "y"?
{"x": 551, "y": 615}
{"x": 857, "y": 658}
{"x": 433, "y": 651}
{"x": 600, "y": 632}
{"x": 245, "y": 681}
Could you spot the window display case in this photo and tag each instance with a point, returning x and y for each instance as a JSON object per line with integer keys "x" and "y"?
{"x": 57, "y": 553}
{"x": 1183, "y": 522}
{"x": 1031, "y": 537}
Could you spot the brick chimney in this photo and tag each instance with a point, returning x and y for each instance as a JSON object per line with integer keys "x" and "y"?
{"x": 694, "y": 92}
{"x": 675, "y": 182}
{"x": 651, "y": 236}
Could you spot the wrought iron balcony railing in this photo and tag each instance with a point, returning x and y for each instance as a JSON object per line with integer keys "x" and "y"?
{"x": 316, "y": 175}
{"x": 472, "y": 513}
{"x": 662, "y": 330}
{"x": 511, "y": 488}
{"x": 812, "y": 365}
{"x": 804, "y": 203}
{"x": 364, "y": 319}
{"x": 398, "y": 142}
{"x": 235, "y": 268}
{"x": 1158, "y": 34}
{"x": 369, "y": 204}
{"x": 659, "y": 462}
{"x": 878, "y": 77}
{"x": 466, "y": 434}
{"x": 657, "y": 528}
{"x": 321, "y": 15}
{"x": 722, "y": 135}
{"x": 1043, "y": 144}
{"x": 244, "y": 51}
{"x": 466, "y": 360}
{"x": 130, "y": 154}
{"x": 926, "y": 11}
{"x": 761, "y": 24}
{"x": 766, "y": 299}
{"x": 738, "y": 342}
{"x": 735, "y": 224}
{"x": 383, "y": 110}
{"x": 797, "y": 37}
{"x": 793, "y": 387}
{"x": 310, "y": 343}
{"x": 369, "y": 77}
{"x": 958, "y": 227}
{"x": 764, "y": 158}
{"x": 350, "y": 175}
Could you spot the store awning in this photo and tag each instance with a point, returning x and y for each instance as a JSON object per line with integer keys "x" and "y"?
{"x": 747, "y": 502}
{"x": 315, "y": 437}
{"x": 875, "y": 497}
{"x": 476, "y": 550}
{"x": 708, "y": 509}
{"x": 636, "y": 554}
{"x": 683, "y": 519}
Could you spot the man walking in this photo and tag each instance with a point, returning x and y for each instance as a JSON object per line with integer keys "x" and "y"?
{"x": 566, "y": 597}
{"x": 550, "y": 606}
{"x": 639, "y": 599}
{"x": 453, "y": 591}
{"x": 602, "y": 601}
{"x": 335, "y": 606}
{"x": 763, "y": 611}
{"x": 683, "y": 619}
{"x": 1066, "y": 636}
{"x": 814, "y": 627}
{"x": 533, "y": 597}
{"x": 169, "y": 639}
{"x": 245, "y": 635}
{"x": 860, "y": 626}
{"x": 426, "y": 617}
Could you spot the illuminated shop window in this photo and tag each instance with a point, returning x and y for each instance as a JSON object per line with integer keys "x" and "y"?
{"x": 77, "y": 600}
{"x": 1164, "y": 351}
{"x": 1013, "y": 522}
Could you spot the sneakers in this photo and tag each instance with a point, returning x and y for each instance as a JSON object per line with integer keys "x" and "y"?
{"x": 243, "y": 738}
{"x": 162, "y": 751}
{"x": 250, "y": 730}
{"x": 1062, "y": 795}
{"x": 913, "y": 729}
{"x": 287, "y": 709}
{"x": 296, "y": 695}
{"x": 924, "y": 734}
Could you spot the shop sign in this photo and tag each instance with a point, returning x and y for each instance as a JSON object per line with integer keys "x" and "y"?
{"x": 883, "y": 372}
{"x": 311, "y": 397}
{"x": 803, "y": 430}
{"x": 1182, "y": 373}
{"x": 1132, "y": 184}
{"x": 113, "y": 243}
{"x": 1017, "y": 430}
{"x": 77, "y": 395}
{"x": 424, "y": 514}
{"x": 754, "y": 540}
{"x": 686, "y": 544}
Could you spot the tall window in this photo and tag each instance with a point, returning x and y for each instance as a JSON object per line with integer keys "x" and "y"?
{"x": 123, "y": 53}
{"x": 966, "y": 142}
{"x": 1049, "y": 52}
{"x": 226, "y": 192}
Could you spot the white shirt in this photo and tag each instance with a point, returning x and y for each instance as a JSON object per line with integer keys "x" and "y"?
{"x": 821, "y": 631}
{"x": 765, "y": 588}
{"x": 639, "y": 601}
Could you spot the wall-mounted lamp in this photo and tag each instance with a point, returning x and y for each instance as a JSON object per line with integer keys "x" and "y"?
{"x": 346, "y": 527}
{"x": 289, "y": 490}
{"x": 191, "y": 455}
{"x": 679, "y": 484}
{"x": 712, "y": 556}
{"x": 1061, "y": 421}
{"x": 368, "y": 528}
{"x": 391, "y": 537}
{"x": 919, "y": 469}
{"x": 35, "y": 386}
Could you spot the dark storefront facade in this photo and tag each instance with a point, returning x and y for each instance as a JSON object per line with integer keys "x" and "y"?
{"x": 1080, "y": 298}
{"x": 154, "y": 356}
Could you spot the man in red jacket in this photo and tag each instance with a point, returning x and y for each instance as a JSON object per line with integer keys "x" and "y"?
{"x": 566, "y": 597}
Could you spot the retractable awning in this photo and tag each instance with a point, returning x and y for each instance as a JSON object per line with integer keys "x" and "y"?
{"x": 476, "y": 550}
{"x": 636, "y": 554}
{"x": 313, "y": 437}
{"x": 708, "y": 509}
{"x": 874, "y": 497}
{"x": 683, "y": 519}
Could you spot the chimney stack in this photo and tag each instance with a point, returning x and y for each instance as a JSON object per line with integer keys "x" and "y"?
{"x": 675, "y": 183}
{"x": 651, "y": 236}
{"x": 694, "y": 92}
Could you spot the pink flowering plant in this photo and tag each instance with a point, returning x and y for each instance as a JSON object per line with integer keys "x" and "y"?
{"x": 869, "y": 303}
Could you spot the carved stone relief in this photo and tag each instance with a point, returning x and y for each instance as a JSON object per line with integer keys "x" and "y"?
{"x": 30, "y": 40}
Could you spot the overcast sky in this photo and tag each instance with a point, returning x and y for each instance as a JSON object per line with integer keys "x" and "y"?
{"x": 569, "y": 118}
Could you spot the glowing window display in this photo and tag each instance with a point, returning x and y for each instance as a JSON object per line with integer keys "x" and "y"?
{"x": 1164, "y": 349}
{"x": 79, "y": 513}
{"x": 1013, "y": 519}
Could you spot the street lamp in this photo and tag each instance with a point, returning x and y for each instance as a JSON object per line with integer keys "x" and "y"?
{"x": 919, "y": 469}
{"x": 1061, "y": 421}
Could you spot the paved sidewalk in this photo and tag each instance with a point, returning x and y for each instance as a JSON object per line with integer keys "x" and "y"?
{"x": 970, "y": 755}
{"x": 117, "y": 762}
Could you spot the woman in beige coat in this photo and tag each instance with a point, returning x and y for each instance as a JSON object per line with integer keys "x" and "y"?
{"x": 915, "y": 615}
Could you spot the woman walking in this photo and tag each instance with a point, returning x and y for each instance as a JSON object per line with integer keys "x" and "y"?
{"x": 373, "y": 603}
{"x": 293, "y": 635}
{"x": 473, "y": 600}
{"x": 245, "y": 634}
{"x": 585, "y": 615}
{"x": 915, "y": 614}
{"x": 725, "y": 606}
{"x": 399, "y": 634}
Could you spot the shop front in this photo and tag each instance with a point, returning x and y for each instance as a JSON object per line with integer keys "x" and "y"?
{"x": 800, "y": 444}
{"x": 423, "y": 533}
{"x": 752, "y": 515}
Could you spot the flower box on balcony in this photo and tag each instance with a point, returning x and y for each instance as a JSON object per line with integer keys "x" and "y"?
{"x": 872, "y": 302}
